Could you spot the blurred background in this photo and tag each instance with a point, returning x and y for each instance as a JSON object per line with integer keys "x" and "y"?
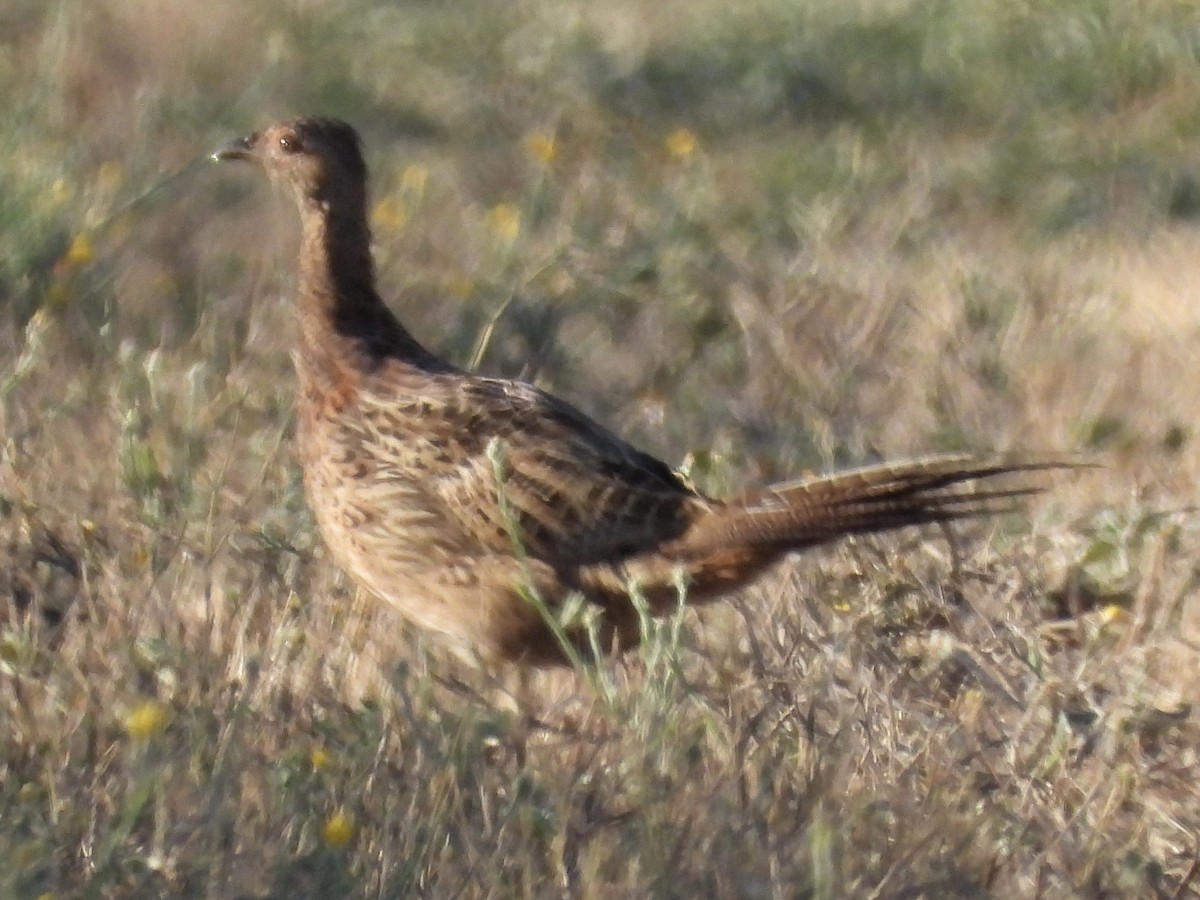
{"x": 790, "y": 235}
{"x": 756, "y": 239}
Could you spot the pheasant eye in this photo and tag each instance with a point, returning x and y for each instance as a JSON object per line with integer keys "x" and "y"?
{"x": 289, "y": 143}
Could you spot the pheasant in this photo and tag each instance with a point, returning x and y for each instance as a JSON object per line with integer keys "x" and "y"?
{"x": 482, "y": 508}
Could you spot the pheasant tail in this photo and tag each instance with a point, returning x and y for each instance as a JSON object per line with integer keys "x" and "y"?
{"x": 733, "y": 542}
{"x": 799, "y": 514}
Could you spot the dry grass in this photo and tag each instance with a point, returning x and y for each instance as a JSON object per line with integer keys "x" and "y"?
{"x": 887, "y": 229}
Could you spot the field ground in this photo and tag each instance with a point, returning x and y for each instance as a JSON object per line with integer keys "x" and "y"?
{"x": 794, "y": 237}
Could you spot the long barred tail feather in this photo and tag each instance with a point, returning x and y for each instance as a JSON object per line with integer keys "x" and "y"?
{"x": 804, "y": 513}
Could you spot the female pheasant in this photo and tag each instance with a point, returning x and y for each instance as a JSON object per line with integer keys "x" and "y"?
{"x": 475, "y": 505}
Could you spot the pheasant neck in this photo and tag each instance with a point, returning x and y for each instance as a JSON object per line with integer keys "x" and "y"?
{"x": 342, "y": 318}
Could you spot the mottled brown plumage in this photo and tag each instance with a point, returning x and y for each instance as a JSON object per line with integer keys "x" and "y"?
{"x": 453, "y": 496}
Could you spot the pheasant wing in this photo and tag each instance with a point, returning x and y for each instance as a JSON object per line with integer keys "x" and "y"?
{"x": 509, "y": 465}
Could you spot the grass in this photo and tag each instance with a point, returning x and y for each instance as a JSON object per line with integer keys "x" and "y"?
{"x": 802, "y": 236}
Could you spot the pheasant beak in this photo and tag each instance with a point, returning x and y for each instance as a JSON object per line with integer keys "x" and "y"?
{"x": 236, "y": 149}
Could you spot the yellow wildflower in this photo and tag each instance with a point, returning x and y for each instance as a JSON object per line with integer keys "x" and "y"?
{"x": 413, "y": 179}
{"x": 146, "y": 720}
{"x": 295, "y": 638}
{"x": 141, "y": 556}
{"x": 460, "y": 286}
{"x": 165, "y": 284}
{"x": 970, "y": 704}
{"x": 80, "y": 253}
{"x": 319, "y": 759}
{"x": 1111, "y": 613}
{"x": 56, "y": 295}
{"x": 681, "y": 143}
{"x": 110, "y": 175}
{"x": 37, "y": 323}
{"x": 541, "y": 147}
{"x": 338, "y": 830}
{"x": 60, "y": 192}
{"x": 390, "y": 214}
{"x": 504, "y": 221}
